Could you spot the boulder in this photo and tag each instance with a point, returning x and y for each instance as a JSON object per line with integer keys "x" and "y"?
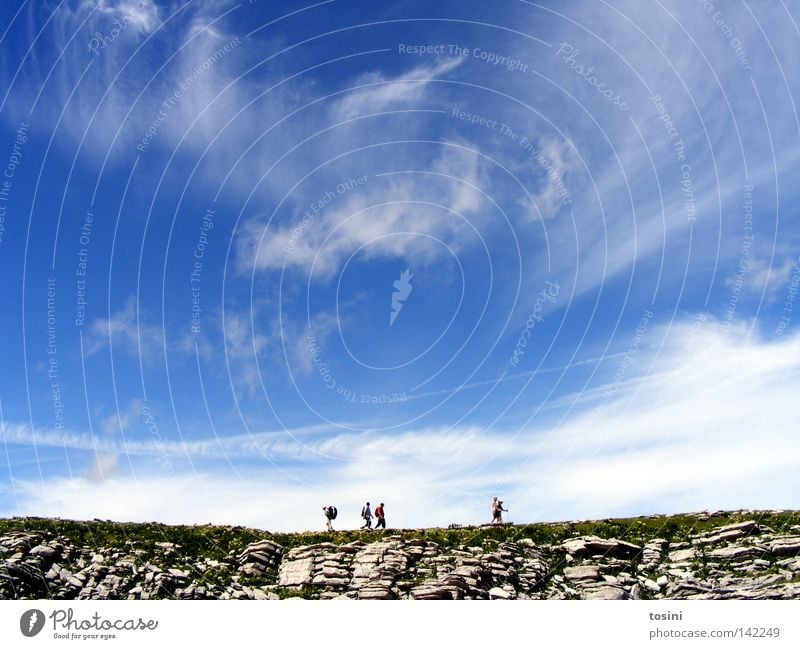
{"x": 604, "y": 591}
{"x": 735, "y": 552}
{"x": 582, "y": 573}
{"x": 593, "y": 545}
{"x": 787, "y": 546}
{"x": 296, "y": 573}
{"x": 499, "y": 593}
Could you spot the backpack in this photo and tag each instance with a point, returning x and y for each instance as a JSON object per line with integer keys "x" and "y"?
{"x": 363, "y": 512}
{"x": 332, "y": 512}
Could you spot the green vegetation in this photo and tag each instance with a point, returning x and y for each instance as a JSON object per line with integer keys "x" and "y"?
{"x": 218, "y": 542}
{"x": 144, "y": 553}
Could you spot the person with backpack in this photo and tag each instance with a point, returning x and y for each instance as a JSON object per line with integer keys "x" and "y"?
{"x": 380, "y": 516}
{"x": 497, "y": 511}
{"x": 366, "y": 514}
{"x": 330, "y": 512}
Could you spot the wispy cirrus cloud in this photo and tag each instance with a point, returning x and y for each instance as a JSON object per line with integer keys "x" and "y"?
{"x": 710, "y": 392}
{"x": 125, "y": 330}
{"x": 375, "y": 92}
{"x": 381, "y": 217}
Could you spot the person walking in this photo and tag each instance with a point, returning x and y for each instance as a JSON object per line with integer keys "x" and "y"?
{"x": 330, "y": 512}
{"x": 379, "y": 514}
{"x": 497, "y": 511}
{"x": 366, "y": 514}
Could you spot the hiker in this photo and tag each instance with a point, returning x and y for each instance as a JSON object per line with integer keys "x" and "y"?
{"x": 380, "y": 516}
{"x": 366, "y": 514}
{"x": 497, "y": 511}
{"x": 330, "y": 512}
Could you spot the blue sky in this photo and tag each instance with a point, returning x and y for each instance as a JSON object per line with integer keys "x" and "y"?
{"x": 208, "y": 209}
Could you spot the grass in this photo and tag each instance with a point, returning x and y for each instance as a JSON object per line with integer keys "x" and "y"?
{"x": 218, "y": 542}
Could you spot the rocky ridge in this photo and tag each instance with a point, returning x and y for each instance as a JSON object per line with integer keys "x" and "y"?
{"x": 745, "y": 559}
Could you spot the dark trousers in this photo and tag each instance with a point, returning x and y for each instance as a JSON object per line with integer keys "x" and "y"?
{"x": 381, "y": 523}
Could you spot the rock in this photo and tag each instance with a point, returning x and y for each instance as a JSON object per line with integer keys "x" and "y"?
{"x": 178, "y": 574}
{"x": 329, "y": 582}
{"x": 604, "y": 591}
{"x": 431, "y": 592}
{"x": 252, "y": 570}
{"x": 593, "y": 545}
{"x": 786, "y": 546}
{"x": 651, "y": 585}
{"x": 740, "y": 561}
{"x": 499, "y": 593}
{"x": 45, "y": 551}
{"x": 582, "y": 573}
{"x": 296, "y": 573}
{"x": 679, "y": 556}
{"x": 68, "y": 578}
{"x": 372, "y": 592}
{"x": 735, "y": 552}
{"x": 746, "y": 526}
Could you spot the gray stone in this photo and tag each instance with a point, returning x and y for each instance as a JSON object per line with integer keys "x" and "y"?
{"x": 499, "y": 593}
{"x": 652, "y": 586}
{"x": 735, "y": 552}
{"x": 45, "y": 551}
{"x": 679, "y": 556}
{"x": 789, "y": 545}
{"x": 604, "y": 591}
{"x": 329, "y": 582}
{"x": 581, "y": 573}
{"x": 252, "y": 570}
{"x": 371, "y": 592}
{"x": 431, "y": 592}
{"x": 593, "y": 545}
{"x": 745, "y": 526}
{"x": 296, "y": 573}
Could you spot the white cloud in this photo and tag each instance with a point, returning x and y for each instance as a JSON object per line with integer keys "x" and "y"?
{"x": 369, "y": 216}
{"x": 770, "y": 276}
{"x": 631, "y": 164}
{"x": 127, "y": 331}
{"x": 141, "y": 15}
{"x": 121, "y": 421}
{"x": 375, "y": 92}
{"x": 101, "y": 466}
{"x": 556, "y": 165}
{"x": 713, "y": 425}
